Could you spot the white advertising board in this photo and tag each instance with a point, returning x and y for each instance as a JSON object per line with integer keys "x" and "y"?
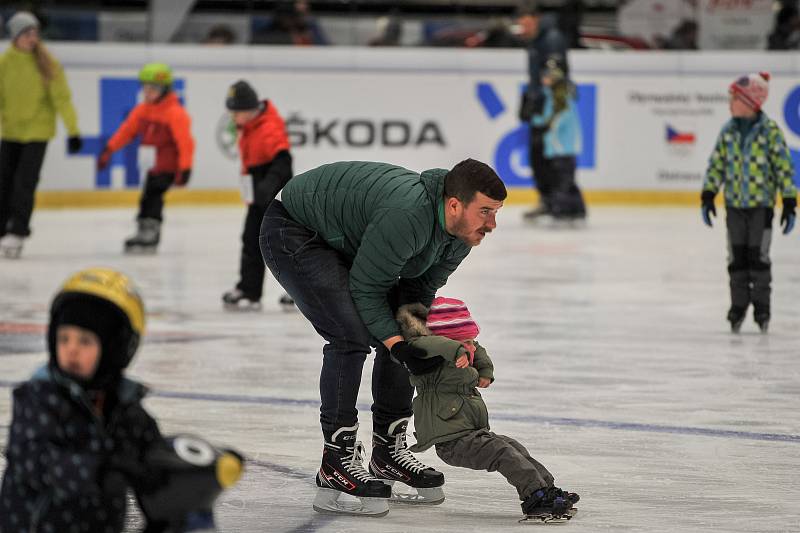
{"x": 649, "y": 119}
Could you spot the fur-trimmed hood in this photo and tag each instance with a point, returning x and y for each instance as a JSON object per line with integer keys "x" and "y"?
{"x": 412, "y": 318}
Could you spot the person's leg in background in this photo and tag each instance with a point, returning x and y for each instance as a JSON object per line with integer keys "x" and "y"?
{"x": 20, "y": 199}
{"x": 759, "y": 265}
{"x": 149, "y": 219}
{"x": 736, "y": 221}
{"x": 9, "y": 158}
{"x": 541, "y": 174}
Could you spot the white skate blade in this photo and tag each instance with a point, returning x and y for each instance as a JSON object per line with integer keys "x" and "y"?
{"x": 243, "y": 306}
{"x": 548, "y": 518}
{"x": 329, "y": 501}
{"x": 141, "y": 250}
{"x": 424, "y": 496}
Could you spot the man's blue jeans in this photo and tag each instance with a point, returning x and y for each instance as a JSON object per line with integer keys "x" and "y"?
{"x": 318, "y": 278}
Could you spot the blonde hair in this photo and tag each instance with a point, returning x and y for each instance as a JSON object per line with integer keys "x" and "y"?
{"x": 44, "y": 62}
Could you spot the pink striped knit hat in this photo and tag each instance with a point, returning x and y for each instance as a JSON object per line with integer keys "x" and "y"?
{"x": 752, "y": 89}
{"x": 450, "y": 318}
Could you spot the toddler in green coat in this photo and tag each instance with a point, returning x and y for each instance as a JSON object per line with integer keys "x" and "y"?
{"x": 450, "y": 414}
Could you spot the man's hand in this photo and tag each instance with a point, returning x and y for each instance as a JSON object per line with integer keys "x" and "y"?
{"x": 484, "y": 382}
{"x": 462, "y": 361}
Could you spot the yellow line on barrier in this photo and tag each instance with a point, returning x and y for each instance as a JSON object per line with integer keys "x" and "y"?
{"x": 130, "y": 198}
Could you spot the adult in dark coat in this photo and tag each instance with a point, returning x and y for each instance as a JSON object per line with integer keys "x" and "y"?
{"x": 543, "y": 41}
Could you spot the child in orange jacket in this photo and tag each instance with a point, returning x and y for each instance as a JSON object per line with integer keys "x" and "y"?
{"x": 160, "y": 121}
{"x": 266, "y": 168}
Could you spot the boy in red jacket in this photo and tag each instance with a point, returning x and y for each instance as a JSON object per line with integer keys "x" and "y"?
{"x": 266, "y": 168}
{"x": 160, "y": 121}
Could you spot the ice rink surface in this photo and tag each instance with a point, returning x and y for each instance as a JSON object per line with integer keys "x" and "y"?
{"x": 613, "y": 360}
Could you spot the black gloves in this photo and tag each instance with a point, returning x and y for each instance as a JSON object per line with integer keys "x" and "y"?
{"x": 788, "y": 216}
{"x": 182, "y": 177}
{"x": 412, "y": 358}
{"x": 708, "y": 208}
{"x": 74, "y": 145}
{"x": 531, "y": 104}
{"x": 123, "y": 471}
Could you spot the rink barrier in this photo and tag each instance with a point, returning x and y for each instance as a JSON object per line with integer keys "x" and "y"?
{"x": 201, "y": 197}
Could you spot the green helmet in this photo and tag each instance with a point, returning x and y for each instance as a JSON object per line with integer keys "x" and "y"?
{"x": 156, "y": 73}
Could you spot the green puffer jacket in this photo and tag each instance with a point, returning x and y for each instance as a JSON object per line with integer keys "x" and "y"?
{"x": 28, "y": 105}
{"x": 389, "y": 221}
{"x": 448, "y": 404}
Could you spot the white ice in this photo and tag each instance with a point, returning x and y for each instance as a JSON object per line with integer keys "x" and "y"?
{"x": 614, "y": 365}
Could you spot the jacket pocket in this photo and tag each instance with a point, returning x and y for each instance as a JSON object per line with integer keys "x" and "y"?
{"x": 450, "y": 408}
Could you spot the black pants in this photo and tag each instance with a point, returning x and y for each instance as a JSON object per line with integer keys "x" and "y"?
{"x": 317, "y": 277}
{"x": 542, "y": 175}
{"x": 20, "y": 164}
{"x": 151, "y": 204}
{"x": 251, "y": 265}
{"x": 749, "y": 266}
{"x": 566, "y": 198}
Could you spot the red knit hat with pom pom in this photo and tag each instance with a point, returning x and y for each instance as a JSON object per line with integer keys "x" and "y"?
{"x": 752, "y": 89}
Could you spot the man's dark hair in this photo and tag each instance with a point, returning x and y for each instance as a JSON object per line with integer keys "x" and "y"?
{"x": 471, "y": 176}
{"x": 528, "y": 7}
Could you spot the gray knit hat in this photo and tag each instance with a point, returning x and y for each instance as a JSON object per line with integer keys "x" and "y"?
{"x": 20, "y": 22}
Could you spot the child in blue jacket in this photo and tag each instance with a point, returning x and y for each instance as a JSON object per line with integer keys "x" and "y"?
{"x": 562, "y": 143}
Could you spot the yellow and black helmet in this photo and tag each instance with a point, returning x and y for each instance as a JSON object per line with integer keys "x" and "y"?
{"x": 105, "y": 302}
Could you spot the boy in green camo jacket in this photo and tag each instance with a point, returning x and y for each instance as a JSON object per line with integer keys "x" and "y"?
{"x": 751, "y": 161}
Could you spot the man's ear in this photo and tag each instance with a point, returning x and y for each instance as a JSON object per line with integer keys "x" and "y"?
{"x": 451, "y": 204}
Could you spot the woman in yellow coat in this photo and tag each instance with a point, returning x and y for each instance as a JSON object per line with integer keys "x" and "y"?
{"x": 32, "y": 90}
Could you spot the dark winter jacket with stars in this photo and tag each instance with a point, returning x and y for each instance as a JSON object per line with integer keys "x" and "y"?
{"x": 60, "y": 452}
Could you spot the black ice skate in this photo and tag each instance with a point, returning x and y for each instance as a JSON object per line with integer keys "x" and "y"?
{"x": 343, "y": 473}
{"x": 392, "y": 461}
{"x": 236, "y": 300}
{"x": 550, "y": 504}
{"x": 761, "y": 316}
{"x": 736, "y": 317}
{"x": 11, "y": 246}
{"x": 146, "y": 238}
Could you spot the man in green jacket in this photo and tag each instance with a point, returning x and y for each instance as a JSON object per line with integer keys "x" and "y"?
{"x": 350, "y": 242}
